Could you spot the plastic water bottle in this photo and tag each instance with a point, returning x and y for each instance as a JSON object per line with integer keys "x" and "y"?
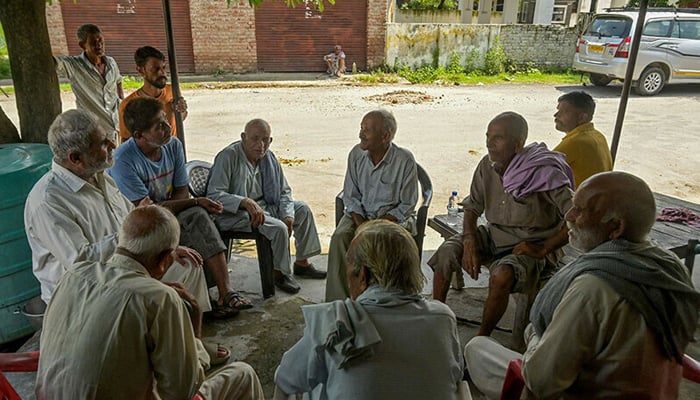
{"x": 453, "y": 204}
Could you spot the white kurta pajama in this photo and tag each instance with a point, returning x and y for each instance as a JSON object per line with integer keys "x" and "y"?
{"x": 68, "y": 220}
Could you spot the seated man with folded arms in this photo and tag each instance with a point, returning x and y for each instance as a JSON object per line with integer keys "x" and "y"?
{"x": 387, "y": 342}
{"x": 151, "y": 165}
{"x": 249, "y": 181}
{"x": 524, "y": 192}
{"x": 616, "y": 321}
{"x": 114, "y": 330}
{"x": 381, "y": 182}
{"x": 74, "y": 212}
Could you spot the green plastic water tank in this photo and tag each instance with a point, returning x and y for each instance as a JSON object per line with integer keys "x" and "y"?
{"x": 21, "y": 165}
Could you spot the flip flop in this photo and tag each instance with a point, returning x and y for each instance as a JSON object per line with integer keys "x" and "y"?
{"x": 213, "y": 349}
{"x": 221, "y": 311}
{"x": 236, "y": 301}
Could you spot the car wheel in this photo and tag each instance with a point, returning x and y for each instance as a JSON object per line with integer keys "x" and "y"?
{"x": 600, "y": 80}
{"x": 651, "y": 81}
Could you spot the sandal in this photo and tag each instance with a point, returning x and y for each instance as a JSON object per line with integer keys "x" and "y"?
{"x": 214, "y": 350}
{"x": 221, "y": 311}
{"x": 235, "y": 301}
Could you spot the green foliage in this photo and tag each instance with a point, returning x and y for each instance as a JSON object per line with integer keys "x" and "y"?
{"x": 428, "y": 4}
{"x": 652, "y": 3}
{"x": 5, "y": 72}
{"x": 496, "y": 60}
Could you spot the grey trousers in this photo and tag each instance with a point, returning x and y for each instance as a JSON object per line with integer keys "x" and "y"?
{"x": 235, "y": 381}
{"x": 336, "y": 279}
{"x": 304, "y": 230}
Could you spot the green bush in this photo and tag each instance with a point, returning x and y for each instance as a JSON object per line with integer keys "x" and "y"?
{"x": 428, "y": 4}
{"x": 5, "y": 72}
{"x": 496, "y": 60}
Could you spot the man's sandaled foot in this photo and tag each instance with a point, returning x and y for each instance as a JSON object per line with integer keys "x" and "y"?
{"x": 236, "y": 301}
{"x": 221, "y": 311}
{"x": 217, "y": 354}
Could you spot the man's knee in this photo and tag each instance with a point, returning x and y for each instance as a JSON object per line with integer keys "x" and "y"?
{"x": 502, "y": 278}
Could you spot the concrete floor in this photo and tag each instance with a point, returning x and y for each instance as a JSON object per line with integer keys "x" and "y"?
{"x": 260, "y": 336}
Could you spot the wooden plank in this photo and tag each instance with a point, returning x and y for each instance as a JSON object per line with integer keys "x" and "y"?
{"x": 668, "y": 235}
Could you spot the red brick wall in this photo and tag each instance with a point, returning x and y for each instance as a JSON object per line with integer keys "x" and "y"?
{"x": 223, "y": 37}
{"x": 376, "y": 32}
{"x": 57, "y": 32}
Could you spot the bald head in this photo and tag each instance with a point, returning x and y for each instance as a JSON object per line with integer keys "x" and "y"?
{"x": 612, "y": 205}
{"x": 149, "y": 231}
{"x": 387, "y": 121}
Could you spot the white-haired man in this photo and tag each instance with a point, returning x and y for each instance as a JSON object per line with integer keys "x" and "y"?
{"x": 615, "y": 322}
{"x": 381, "y": 182}
{"x": 73, "y": 213}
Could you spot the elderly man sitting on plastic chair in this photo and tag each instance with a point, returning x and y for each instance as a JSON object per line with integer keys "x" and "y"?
{"x": 615, "y": 322}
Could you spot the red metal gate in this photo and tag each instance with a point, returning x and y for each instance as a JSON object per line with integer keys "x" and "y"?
{"x": 130, "y": 24}
{"x": 296, "y": 39}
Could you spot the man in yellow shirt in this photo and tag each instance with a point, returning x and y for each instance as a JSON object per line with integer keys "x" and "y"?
{"x": 586, "y": 149}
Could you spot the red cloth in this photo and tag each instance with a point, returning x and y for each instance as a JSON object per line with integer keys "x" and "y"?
{"x": 680, "y": 215}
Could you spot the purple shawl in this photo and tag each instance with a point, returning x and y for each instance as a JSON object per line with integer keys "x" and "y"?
{"x": 537, "y": 169}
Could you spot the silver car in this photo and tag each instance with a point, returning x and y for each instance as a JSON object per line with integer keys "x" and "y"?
{"x": 669, "y": 50}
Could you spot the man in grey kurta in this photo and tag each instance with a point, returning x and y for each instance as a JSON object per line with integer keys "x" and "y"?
{"x": 381, "y": 182}
{"x": 94, "y": 78}
{"x": 248, "y": 180}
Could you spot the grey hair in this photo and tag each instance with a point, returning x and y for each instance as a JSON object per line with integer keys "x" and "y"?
{"x": 388, "y": 121}
{"x": 86, "y": 30}
{"x": 149, "y": 230}
{"x": 390, "y": 255}
{"x": 70, "y": 132}
{"x": 257, "y": 122}
{"x": 517, "y": 125}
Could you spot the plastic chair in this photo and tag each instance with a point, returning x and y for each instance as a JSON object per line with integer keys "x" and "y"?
{"x": 426, "y": 187}
{"x": 198, "y": 173}
{"x": 514, "y": 383}
{"x": 15, "y": 362}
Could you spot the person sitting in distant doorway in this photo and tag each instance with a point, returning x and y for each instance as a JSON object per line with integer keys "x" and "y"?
{"x": 335, "y": 61}
{"x": 587, "y": 152}
{"x": 150, "y": 64}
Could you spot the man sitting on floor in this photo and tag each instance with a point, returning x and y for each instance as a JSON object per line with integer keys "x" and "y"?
{"x": 113, "y": 330}
{"x": 615, "y": 322}
{"x": 151, "y": 165}
{"x": 524, "y": 191}
{"x": 381, "y": 182}
{"x": 249, "y": 181}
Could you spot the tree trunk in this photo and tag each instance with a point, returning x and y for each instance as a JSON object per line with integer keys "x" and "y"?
{"x": 8, "y": 132}
{"x": 33, "y": 70}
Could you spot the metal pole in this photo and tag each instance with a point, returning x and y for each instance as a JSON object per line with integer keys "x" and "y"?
{"x": 628, "y": 78}
{"x": 175, "y": 82}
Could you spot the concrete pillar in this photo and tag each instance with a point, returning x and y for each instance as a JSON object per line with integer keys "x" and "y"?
{"x": 543, "y": 12}
{"x": 485, "y": 11}
{"x": 466, "y": 7}
{"x": 510, "y": 11}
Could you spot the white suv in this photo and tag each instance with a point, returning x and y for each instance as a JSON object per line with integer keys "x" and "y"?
{"x": 669, "y": 51}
